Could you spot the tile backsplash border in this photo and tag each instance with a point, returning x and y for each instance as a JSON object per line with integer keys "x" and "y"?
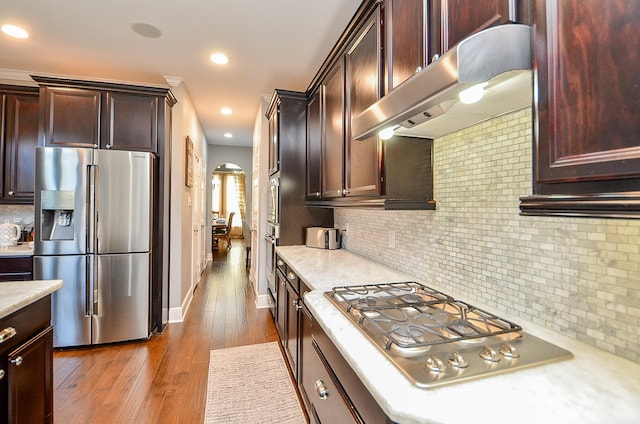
{"x": 576, "y": 276}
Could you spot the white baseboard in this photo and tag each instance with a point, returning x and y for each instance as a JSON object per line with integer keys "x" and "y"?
{"x": 262, "y": 301}
{"x": 178, "y": 314}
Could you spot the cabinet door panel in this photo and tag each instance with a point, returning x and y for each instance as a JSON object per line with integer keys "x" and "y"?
{"x": 461, "y": 18}
{"x": 405, "y": 32}
{"x": 281, "y": 306}
{"x": 332, "y": 149}
{"x": 30, "y": 380}
{"x": 364, "y": 157}
{"x": 71, "y": 117}
{"x": 132, "y": 122}
{"x": 21, "y": 140}
{"x": 274, "y": 148}
{"x": 314, "y": 146}
{"x": 588, "y": 128}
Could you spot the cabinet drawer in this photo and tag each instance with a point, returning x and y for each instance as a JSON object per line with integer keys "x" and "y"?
{"x": 328, "y": 405}
{"x": 26, "y": 322}
{"x": 16, "y": 264}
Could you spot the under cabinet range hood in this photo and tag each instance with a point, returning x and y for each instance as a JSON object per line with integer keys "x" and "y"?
{"x": 494, "y": 64}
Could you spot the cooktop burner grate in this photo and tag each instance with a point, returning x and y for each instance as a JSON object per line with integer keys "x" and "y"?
{"x": 435, "y": 339}
{"x": 386, "y": 296}
{"x": 412, "y": 315}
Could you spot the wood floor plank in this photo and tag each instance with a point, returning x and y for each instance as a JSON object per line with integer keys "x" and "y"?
{"x": 164, "y": 379}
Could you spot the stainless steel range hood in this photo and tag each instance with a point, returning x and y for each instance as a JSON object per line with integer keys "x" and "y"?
{"x": 427, "y": 104}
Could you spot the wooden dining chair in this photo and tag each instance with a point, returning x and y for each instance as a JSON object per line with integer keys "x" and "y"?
{"x": 222, "y": 233}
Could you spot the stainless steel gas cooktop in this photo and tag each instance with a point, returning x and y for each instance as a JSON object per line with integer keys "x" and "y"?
{"x": 435, "y": 339}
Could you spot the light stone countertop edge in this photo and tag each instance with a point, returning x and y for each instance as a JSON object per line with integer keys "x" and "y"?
{"x": 15, "y": 295}
{"x": 22, "y": 249}
{"x": 593, "y": 387}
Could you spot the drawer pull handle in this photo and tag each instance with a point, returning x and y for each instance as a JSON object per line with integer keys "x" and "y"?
{"x": 17, "y": 361}
{"x": 7, "y": 333}
{"x": 321, "y": 390}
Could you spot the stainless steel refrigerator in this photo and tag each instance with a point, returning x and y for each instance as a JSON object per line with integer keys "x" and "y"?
{"x": 93, "y": 231}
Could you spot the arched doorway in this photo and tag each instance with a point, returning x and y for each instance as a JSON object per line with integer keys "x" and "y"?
{"x": 229, "y": 194}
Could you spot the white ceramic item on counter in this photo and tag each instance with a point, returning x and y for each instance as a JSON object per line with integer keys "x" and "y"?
{"x": 9, "y": 234}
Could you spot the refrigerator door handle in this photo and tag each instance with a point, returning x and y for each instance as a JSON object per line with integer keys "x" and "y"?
{"x": 94, "y": 284}
{"x": 92, "y": 178}
{"x": 88, "y": 282}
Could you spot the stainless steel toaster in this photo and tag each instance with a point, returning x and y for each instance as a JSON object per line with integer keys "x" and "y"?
{"x": 323, "y": 238}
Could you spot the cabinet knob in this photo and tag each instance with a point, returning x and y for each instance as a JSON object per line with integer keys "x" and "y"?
{"x": 318, "y": 194}
{"x": 95, "y": 146}
{"x": 321, "y": 390}
{"x": 17, "y": 361}
{"x": 435, "y": 57}
{"x": 108, "y": 146}
{"x": 418, "y": 69}
{"x": 10, "y": 193}
{"x": 7, "y": 333}
{"x": 280, "y": 262}
{"x": 2, "y": 374}
{"x": 291, "y": 276}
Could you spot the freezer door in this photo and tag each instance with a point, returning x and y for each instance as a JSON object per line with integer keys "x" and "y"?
{"x": 121, "y": 303}
{"x": 123, "y": 201}
{"x": 61, "y": 200}
{"x": 70, "y": 306}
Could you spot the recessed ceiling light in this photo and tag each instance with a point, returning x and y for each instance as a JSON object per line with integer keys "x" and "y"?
{"x": 228, "y": 135}
{"x": 146, "y": 30}
{"x": 226, "y": 111}
{"x": 219, "y": 58}
{"x": 14, "y": 31}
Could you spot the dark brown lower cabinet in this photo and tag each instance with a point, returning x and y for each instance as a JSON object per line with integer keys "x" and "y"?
{"x": 331, "y": 390}
{"x": 26, "y": 365}
{"x": 16, "y": 268}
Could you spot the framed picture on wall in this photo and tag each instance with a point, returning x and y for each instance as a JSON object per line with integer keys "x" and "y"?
{"x": 188, "y": 181}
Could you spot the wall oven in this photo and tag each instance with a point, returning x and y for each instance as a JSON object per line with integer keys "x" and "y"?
{"x": 273, "y": 201}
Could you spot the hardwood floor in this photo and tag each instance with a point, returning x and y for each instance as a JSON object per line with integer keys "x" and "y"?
{"x": 164, "y": 379}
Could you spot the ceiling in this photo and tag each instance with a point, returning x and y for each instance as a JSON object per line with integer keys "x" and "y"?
{"x": 270, "y": 44}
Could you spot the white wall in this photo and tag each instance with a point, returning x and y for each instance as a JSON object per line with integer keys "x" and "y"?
{"x": 181, "y": 282}
{"x": 258, "y": 225}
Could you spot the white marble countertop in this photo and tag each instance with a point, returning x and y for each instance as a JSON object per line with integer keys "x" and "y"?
{"x": 593, "y": 387}
{"x": 15, "y": 295}
{"x": 22, "y": 249}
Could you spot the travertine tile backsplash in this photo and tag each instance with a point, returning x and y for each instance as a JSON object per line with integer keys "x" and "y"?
{"x": 577, "y": 276}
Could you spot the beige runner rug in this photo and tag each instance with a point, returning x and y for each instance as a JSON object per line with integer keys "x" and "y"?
{"x": 251, "y": 384}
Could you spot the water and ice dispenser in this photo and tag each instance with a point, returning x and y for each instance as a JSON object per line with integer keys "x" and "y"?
{"x": 57, "y": 214}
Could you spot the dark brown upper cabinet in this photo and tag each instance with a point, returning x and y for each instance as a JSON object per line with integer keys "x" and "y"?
{"x": 315, "y": 121}
{"x": 396, "y": 173}
{"x": 274, "y": 147}
{"x": 333, "y": 142}
{"x": 100, "y": 115}
{"x": 363, "y": 158}
{"x": 71, "y": 117}
{"x": 132, "y": 122}
{"x": 450, "y": 21}
{"x": 405, "y": 42}
{"x": 586, "y": 128}
{"x": 18, "y": 141}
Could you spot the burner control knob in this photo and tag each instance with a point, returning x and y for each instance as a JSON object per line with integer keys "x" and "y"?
{"x": 435, "y": 364}
{"x": 508, "y": 351}
{"x": 489, "y": 354}
{"x": 457, "y": 361}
